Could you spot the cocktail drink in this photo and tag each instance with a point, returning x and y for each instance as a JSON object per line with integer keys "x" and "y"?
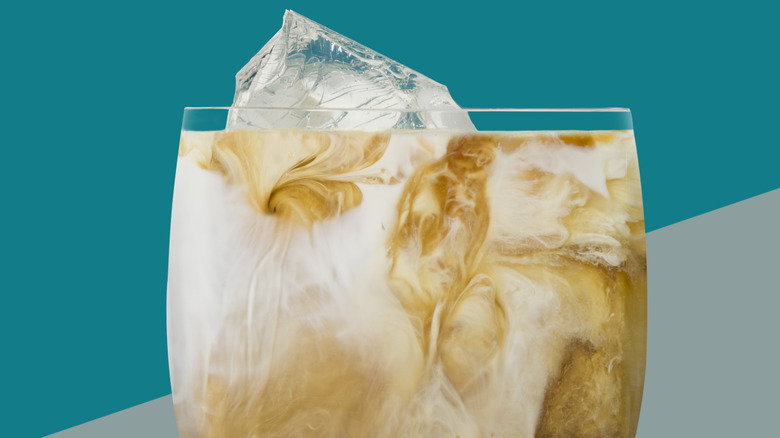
{"x": 423, "y": 279}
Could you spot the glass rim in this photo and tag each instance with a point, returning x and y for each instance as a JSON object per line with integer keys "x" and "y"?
{"x": 419, "y": 110}
{"x": 215, "y": 118}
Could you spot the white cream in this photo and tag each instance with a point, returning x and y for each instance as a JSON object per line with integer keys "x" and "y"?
{"x": 249, "y": 296}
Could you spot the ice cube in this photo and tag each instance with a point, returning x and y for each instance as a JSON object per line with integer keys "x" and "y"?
{"x": 308, "y": 66}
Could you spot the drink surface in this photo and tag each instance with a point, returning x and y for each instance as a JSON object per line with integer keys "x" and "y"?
{"x": 407, "y": 284}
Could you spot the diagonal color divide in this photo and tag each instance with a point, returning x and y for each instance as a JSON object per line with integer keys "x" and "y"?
{"x": 153, "y": 419}
{"x": 713, "y": 297}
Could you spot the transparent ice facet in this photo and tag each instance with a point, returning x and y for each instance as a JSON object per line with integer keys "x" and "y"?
{"x": 308, "y": 66}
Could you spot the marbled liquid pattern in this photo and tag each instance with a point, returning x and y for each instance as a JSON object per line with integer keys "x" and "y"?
{"x": 407, "y": 284}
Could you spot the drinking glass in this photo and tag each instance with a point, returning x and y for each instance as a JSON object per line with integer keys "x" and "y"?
{"x": 485, "y": 281}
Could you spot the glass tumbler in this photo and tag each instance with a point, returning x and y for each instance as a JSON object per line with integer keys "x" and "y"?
{"x": 407, "y": 282}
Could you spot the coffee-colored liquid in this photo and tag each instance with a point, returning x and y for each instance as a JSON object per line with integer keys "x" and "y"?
{"x": 403, "y": 284}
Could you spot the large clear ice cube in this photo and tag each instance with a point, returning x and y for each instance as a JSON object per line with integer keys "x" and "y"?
{"x": 306, "y": 65}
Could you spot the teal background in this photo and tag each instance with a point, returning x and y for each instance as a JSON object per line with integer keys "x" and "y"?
{"x": 93, "y": 98}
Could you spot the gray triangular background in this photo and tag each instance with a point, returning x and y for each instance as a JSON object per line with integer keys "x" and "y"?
{"x": 153, "y": 419}
{"x": 712, "y": 355}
